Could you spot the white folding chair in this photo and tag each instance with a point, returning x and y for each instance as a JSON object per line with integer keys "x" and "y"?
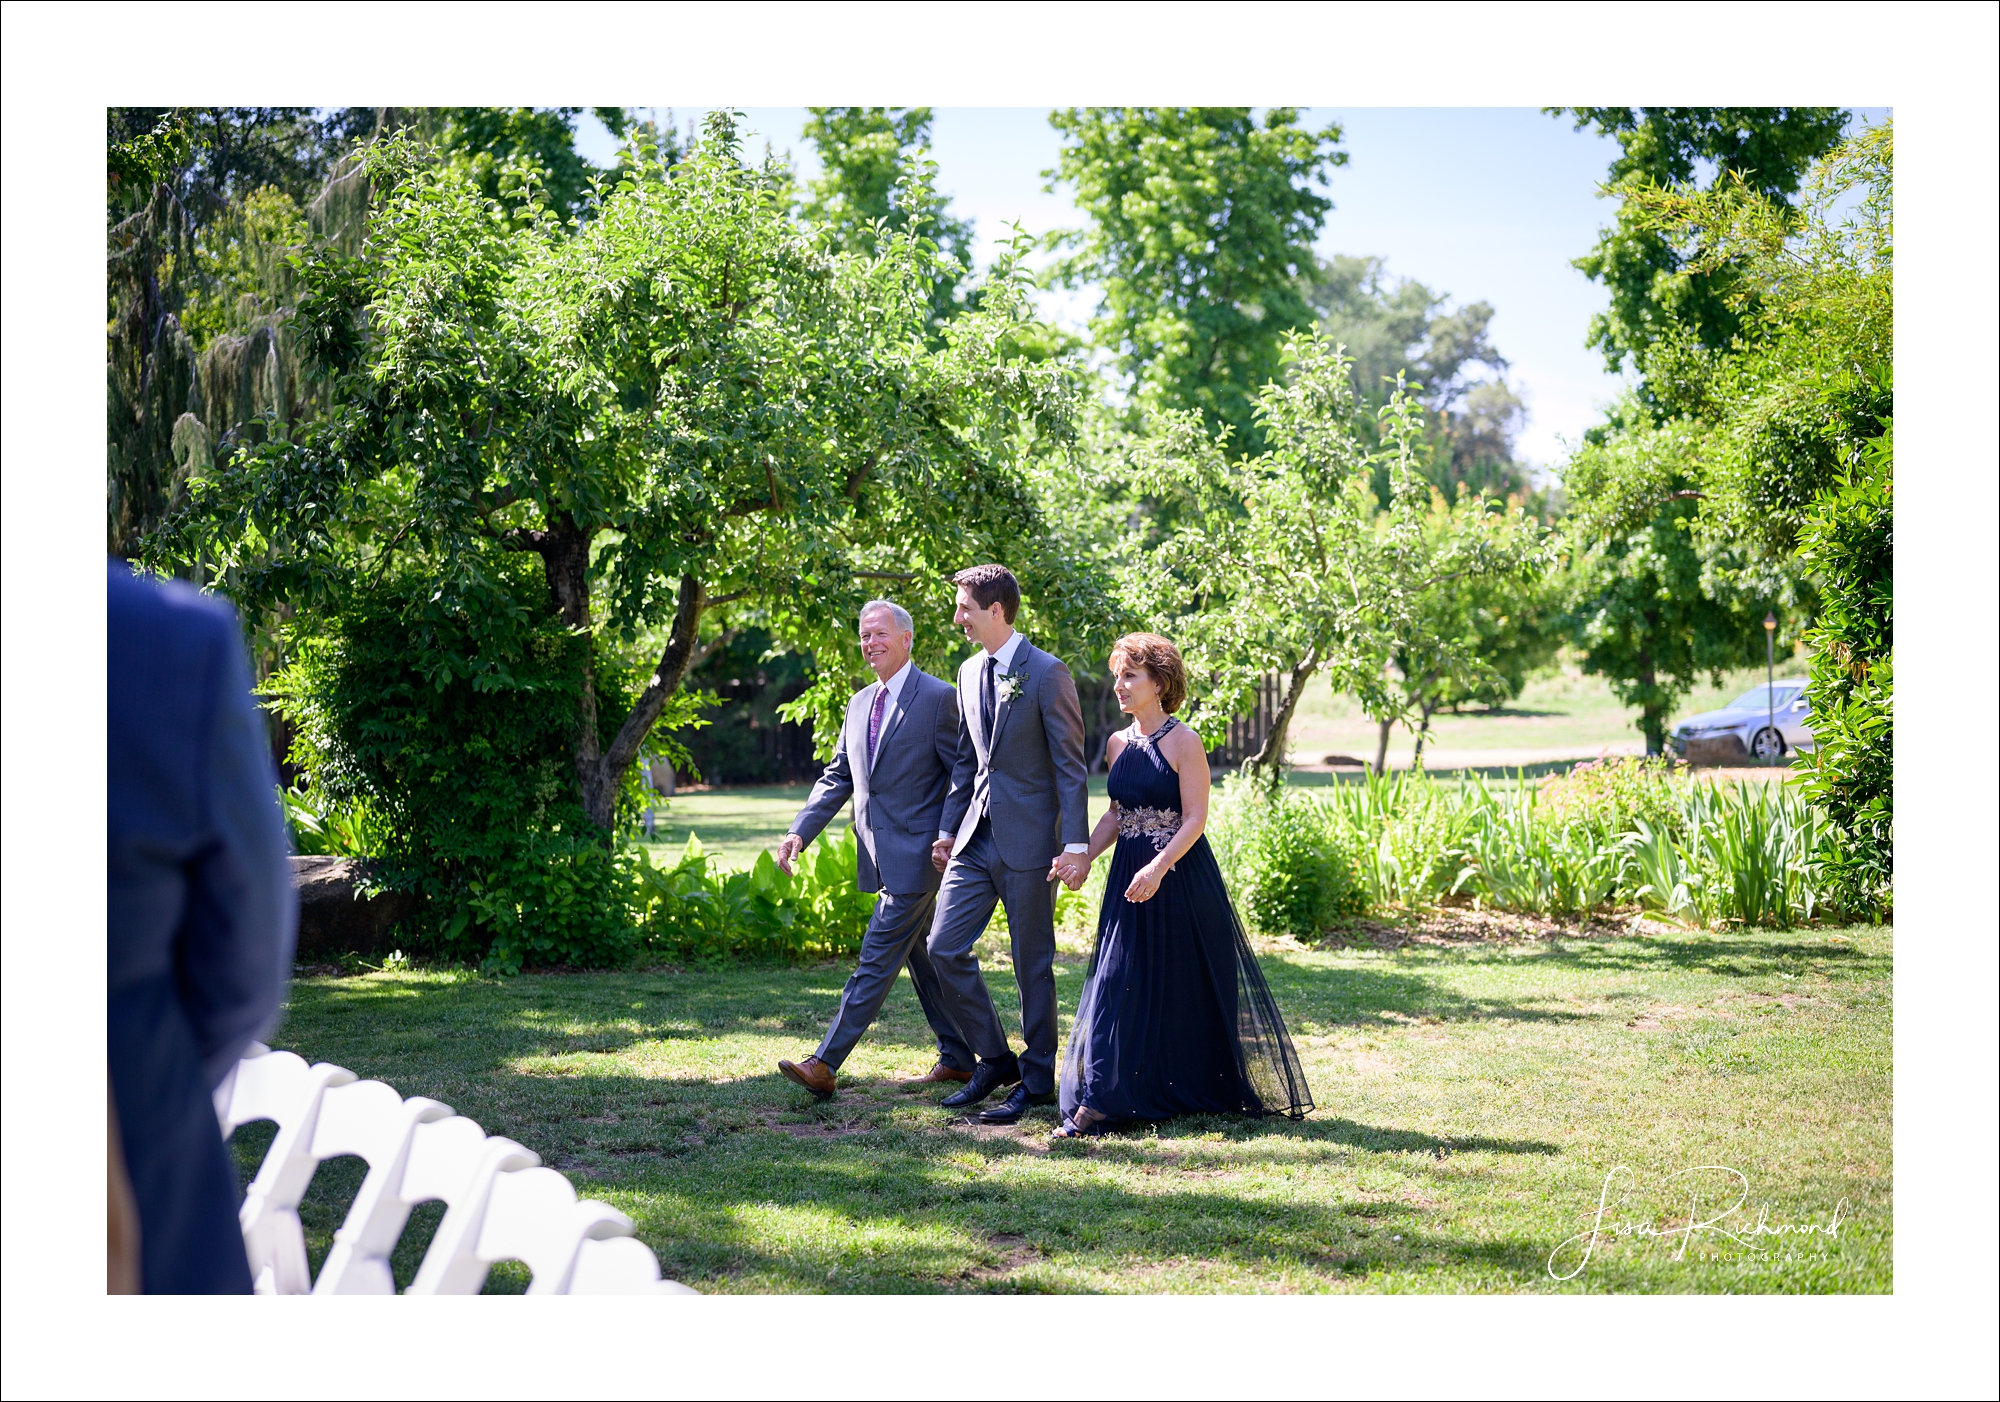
{"x": 533, "y": 1217}
{"x": 621, "y": 1265}
{"x": 279, "y": 1086}
{"x": 500, "y": 1205}
{"x": 454, "y": 1162}
{"x": 223, "y": 1093}
{"x": 370, "y": 1119}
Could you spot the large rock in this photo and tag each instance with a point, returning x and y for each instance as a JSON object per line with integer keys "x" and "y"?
{"x": 1726, "y": 749}
{"x": 334, "y": 919}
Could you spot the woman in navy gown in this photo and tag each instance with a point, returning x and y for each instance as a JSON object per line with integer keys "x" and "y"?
{"x": 1175, "y": 1016}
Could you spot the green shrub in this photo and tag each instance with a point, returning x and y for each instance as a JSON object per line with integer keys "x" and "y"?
{"x": 552, "y": 900}
{"x": 1291, "y": 867}
{"x": 1849, "y": 542}
{"x": 454, "y": 777}
{"x": 1612, "y": 795}
{"x": 1518, "y": 857}
{"x": 1746, "y": 854}
{"x": 691, "y": 912}
{"x": 1406, "y": 834}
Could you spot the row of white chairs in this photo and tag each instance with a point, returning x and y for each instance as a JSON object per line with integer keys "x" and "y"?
{"x": 500, "y": 1204}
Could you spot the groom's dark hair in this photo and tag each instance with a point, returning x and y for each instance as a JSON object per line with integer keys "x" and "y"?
{"x": 990, "y": 585}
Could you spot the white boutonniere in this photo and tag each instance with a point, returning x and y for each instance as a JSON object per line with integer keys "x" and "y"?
{"x": 1006, "y": 689}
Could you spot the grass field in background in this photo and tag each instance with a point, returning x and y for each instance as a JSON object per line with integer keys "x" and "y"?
{"x": 736, "y": 824}
{"x": 1564, "y": 712}
{"x": 1474, "y": 1100}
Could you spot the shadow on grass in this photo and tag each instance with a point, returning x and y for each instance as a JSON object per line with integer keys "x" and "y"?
{"x": 1754, "y": 955}
{"x": 557, "y": 1016}
{"x": 901, "y": 1209}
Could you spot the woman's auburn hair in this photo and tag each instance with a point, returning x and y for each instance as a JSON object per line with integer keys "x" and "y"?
{"x": 1162, "y": 662}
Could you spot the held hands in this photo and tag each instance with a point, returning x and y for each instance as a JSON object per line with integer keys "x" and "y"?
{"x": 941, "y": 853}
{"x": 1071, "y": 868}
{"x": 788, "y": 851}
{"x": 1145, "y": 882}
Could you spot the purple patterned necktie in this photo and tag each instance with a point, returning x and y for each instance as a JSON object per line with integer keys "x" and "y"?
{"x": 875, "y": 721}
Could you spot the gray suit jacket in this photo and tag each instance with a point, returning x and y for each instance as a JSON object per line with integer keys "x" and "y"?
{"x": 899, "y": 804}
{"x": 1032, "y": 781}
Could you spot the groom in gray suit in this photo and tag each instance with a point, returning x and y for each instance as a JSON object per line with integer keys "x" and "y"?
{"x": 894, "y": 757}
{"x": 1015, "y": 821}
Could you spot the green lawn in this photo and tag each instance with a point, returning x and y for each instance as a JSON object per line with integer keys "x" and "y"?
{"x": 736, "y": 824}
{"x": 1561, "y": 714}
{"x": 1474, "y": 1098}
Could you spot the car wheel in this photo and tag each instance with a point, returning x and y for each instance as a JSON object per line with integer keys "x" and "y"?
{"x": 1767, "y": 744}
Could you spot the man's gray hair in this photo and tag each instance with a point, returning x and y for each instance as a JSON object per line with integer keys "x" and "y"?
{"x": 894, "y": 610}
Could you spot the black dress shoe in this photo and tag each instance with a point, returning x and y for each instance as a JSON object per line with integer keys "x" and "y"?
{"x": 1014, "y": 1106}
{"x": 987, "y": 1077}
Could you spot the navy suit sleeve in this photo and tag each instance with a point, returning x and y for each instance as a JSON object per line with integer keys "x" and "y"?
{"x": 235, "y": 951}
{"x": 830, "y": 794}
{"x": 1062, "y": 722}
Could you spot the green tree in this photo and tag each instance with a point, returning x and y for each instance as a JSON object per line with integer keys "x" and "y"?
{"x": 505, "y": 150}
{"x": 1798, "y": 456}
{"x": 1477, "y": 640}
{"x": 210, "y": 156}
{"x": 863, "y": 196}
{"x": 1202, "y": 223}
{"x": 1285, "y": 561}
{"x": 1645, "y": 613}
{"x": 206, "y": 205}
{"x": 1652, "y": 299}
{"x": 680, "y": 404}
{"x": 1402, "y": 332}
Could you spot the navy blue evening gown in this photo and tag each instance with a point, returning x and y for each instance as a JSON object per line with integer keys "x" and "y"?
{"x": 1175, "y": 1017}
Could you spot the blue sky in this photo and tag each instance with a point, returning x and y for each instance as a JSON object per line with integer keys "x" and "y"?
{"x": 1479, "y": 203}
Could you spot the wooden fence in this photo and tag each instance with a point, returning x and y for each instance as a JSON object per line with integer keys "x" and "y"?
{"x": 1245, "y": 736}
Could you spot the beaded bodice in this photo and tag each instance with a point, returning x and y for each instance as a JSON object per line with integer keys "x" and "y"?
{"x": 1146, "y": 789}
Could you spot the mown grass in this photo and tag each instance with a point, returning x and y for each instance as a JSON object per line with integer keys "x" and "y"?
{"x": 1473, "y": 1099}
{"x": 1561, "y": 710}
{"x": 735, "y": 824}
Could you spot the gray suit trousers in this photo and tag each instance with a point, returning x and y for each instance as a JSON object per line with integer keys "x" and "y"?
{"x": 895, "y": 936}
{"x": 974, "y": 883}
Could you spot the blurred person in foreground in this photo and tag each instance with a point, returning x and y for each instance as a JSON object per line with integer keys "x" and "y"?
{"x": 894, "y": 759}
{"x": 201, "y": 917}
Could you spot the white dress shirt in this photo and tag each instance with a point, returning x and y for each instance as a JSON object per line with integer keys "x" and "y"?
{"x": 1003, "y": 660}
{"x": 894, "y": 686}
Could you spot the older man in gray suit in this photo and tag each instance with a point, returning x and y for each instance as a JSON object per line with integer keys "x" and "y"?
{"x": 894, "y": 758}
{"x": 1016, "y": 820}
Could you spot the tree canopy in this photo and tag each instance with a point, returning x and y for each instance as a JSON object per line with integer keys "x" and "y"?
{"x": 1402, "y": 332}
{"x": 678, "y": 404}
{"x": 865, "y": 193}
{"x": 1653, "y": 299}
{"x": 1286, "y": 561}
{"x": 1202, "y": 224}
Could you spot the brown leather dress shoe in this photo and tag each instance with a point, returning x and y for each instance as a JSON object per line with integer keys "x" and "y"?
{"x": 812, "y": 1074}
{"x": 937, "y": 1075}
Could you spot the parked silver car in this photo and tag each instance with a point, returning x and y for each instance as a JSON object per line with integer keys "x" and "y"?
{"x": 1748, "y": 727}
